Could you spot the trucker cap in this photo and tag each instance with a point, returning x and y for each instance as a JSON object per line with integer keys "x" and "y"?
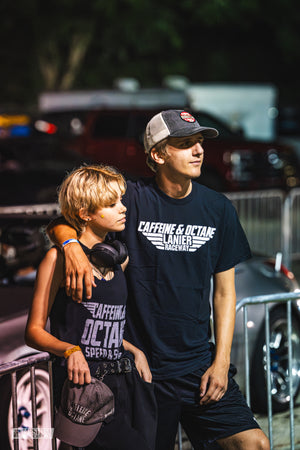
{"x": 173, "y": 123}
{"x": 82, "y": 411}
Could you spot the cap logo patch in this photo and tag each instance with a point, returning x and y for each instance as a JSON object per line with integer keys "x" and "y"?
{"x": 187, "y": 117}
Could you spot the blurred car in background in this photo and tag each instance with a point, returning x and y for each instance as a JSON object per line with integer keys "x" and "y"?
{"x": 232, "y": 162}
{"x": 260, "y": 276}
{"x": 32, "y": 161}
{"x": 23, "y": 243}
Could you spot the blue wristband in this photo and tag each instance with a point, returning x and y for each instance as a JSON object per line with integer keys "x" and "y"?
{"x": 68, "y": 241}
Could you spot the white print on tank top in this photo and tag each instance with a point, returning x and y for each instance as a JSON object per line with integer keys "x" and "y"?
{"x": 102, "y": 336}
{"x": 176, "y": 237}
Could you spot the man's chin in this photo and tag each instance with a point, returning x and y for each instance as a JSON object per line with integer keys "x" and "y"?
{"x": 196, "y": 174}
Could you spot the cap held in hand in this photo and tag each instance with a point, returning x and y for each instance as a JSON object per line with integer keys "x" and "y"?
{"x": 82, "y": 411}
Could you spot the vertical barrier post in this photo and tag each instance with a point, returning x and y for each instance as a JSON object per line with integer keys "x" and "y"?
{"x": 179, "y": 437}
{"x": 33, "y": 409}
{"x": 290, "y": 356}
{"x": 54, "y": 447}
{"x": 247, "y": 369}
{"x": 269, "y": 384}
{"x": 286, "y": 232}
{"x": 14, "y": 408}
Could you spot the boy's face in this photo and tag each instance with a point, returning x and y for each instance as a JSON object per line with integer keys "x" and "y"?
{"x": 184, "y": 156}
{"x": 109, "y": 218}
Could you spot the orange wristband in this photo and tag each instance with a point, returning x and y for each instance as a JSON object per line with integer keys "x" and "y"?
{"x": 71, "y": 350}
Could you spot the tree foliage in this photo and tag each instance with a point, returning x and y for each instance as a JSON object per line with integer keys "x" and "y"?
{"x": 69, "y": 44}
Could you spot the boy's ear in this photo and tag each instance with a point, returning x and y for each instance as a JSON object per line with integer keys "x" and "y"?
{"x": 83, "y": 214}
{"x": 156, "y": 157}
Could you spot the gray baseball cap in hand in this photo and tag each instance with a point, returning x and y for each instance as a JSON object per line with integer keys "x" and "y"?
{"x": 82, "y": 411}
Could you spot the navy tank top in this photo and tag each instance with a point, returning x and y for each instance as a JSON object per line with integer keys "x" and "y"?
{"x": 96, "y": 324}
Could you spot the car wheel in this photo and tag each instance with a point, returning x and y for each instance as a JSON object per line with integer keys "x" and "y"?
{"x": 25, "y": 410}
{"x": 279, "y": 364}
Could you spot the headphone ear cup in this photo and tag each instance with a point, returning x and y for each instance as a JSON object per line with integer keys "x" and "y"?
{"x": 121, "y": 249}
{"x": 108, "y": 255}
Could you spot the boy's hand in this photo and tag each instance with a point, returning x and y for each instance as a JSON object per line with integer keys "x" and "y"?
{"x": 78, "y": 369}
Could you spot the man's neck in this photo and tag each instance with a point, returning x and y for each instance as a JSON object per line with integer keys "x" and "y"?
{"x": 174, "y": 188}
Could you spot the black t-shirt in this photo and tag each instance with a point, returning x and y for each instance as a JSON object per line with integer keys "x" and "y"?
{"x": 175, "y": 246}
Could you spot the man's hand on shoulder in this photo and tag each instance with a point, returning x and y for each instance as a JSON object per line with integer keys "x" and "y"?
{"x": 78, "y": 272}
{"x": 77, "y": 266}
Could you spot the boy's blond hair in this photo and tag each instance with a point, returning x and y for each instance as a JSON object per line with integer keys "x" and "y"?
{"x": 89, "y": 188}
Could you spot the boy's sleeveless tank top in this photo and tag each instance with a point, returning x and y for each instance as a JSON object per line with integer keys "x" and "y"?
{"x": 96, "y": 324}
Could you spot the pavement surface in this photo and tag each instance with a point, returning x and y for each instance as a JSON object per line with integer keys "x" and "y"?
{"x": 281, "y": 428}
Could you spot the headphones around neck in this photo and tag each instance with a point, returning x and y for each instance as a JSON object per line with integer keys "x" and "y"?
{"x": 108, "y": 254}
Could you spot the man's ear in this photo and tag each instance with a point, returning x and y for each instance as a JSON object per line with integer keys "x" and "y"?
{"x": 156, "y": 157}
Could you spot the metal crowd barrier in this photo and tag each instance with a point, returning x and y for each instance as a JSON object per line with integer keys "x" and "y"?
{"x": 261, "y": 215}
{"x": 271, "y": 220}
{"x": 12, "y": 368}
{"x": 293, "y": 222}
{"x": 266, "y": 300}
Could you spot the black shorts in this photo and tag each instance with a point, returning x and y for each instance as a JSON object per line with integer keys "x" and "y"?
{"x": 178, "y": 401}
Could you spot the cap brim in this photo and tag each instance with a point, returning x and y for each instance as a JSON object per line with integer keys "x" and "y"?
{"x": 205, "y": 131}
{"x": 73, "y": 433}
{"x": 209, "y": 132}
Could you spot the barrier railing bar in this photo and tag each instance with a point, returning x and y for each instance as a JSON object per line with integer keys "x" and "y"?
{"x": 33, "y": 405}
{"x": 269, "y": 384}
{"x": 179, "y": 438}
{"x": 50, "y": 370}
{"x": 247, "y": 366}
{"x": 286, "y": 232}
{"x": 267, "y": 298}
{"x": 290, "y": 356}
{"x": 14, "y": 406}
{"x": 23, "y": 363}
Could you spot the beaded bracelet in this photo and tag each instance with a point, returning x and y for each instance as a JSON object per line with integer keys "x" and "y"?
{"x": 71, "y": 350}
{"x": 68, "y": 241}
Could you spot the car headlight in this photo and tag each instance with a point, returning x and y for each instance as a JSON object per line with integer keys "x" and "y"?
{"x": 240, "y": 162}
{"x": 274, "y": 159}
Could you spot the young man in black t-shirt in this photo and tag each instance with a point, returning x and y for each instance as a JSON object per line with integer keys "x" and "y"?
{"x": 179, "y": 234}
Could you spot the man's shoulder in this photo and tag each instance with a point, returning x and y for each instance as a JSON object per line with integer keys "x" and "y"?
{"x": 208, "y": 194}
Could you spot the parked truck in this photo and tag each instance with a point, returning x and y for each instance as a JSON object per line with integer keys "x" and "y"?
{"x": 251, "y": 108}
